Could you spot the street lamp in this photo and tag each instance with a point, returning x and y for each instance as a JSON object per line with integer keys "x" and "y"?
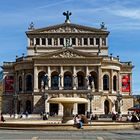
{"x": 90, "y": 97}
{"x": 15, "y": 96}
{"x": 119, "y": 99}
{"x": 44, "y": 85}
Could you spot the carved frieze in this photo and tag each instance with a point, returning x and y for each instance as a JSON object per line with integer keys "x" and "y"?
{"x": 66, "y": 29}
{"x": 67, "y": 54}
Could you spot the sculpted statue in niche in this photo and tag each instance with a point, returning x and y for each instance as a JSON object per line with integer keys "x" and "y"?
{"x": 44, "y": 82}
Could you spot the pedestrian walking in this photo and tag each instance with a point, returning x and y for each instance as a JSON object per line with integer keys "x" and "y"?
{"x": 2, "y": 118}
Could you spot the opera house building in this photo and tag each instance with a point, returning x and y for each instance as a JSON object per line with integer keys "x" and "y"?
{"x": 67, "y": 70}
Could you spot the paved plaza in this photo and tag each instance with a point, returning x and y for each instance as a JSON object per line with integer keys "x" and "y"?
{"x": 71, "y": 135}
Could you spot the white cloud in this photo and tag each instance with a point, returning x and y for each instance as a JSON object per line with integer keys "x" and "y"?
{"x": 128, "y": 13}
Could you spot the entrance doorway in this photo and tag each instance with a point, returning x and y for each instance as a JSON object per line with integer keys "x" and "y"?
{"x": 81, "y": 109}
{"x": 28, "y": 106}
{"x": 53, "y": 109}
{"x": 18, "y": 106}
{"x": 106, "y": 106}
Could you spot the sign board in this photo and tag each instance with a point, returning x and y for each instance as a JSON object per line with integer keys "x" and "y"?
{"x": 9, "y": 84}
{"x": 126, "y": 83}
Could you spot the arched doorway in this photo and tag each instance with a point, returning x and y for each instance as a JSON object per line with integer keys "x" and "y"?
{"x": 53, "y": 109}
{"x": 28, "y": 106}
{"x": 81, "y": 109}
{"x": 106, "y": 106}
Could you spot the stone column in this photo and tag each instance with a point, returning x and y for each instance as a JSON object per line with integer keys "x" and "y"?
{"x": 46, "y": 41}
{"x": 62, "y": 78}
{"x": 70, "y": 40}
{"x": 52, "y": 41}
{"x": 64, "y": 41}
{"x": 74, "y": 78}
{"x": 34, "y": 41}
{"x": 87, "y": 81}
{"x": 40, "y": 41}
{"x": 100, "y": 41}
{"x": 49, "y": 77}
{"x": 119, "y": 82}
{"x": 58, "y": 40}
{"x": 35, "y": 79}
{"x": 76, "y": 41}
{"x": 99, "y": 79}
{"x": 88, "y": 41}
{"x": 75, "y": 110}
{"x": 47, "y": 106}
{"x": 94, "y": 41}
{"x": 111, "y": 81}
{"x": 82, "y": 43}
{"x": 23, "y": 81}
{"x": 60, "y": 111}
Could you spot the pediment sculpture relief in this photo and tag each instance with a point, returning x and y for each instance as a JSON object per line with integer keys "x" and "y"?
{"x": 66, "y": 29}
{"x": 67, "y": 54}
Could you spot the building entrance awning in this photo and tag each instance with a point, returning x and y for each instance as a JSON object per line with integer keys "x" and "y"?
{"x": 68, "y": 100}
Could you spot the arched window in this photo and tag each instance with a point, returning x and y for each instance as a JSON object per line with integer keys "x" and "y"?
{"x": 29, "y": 83}
{"x": 67, "y": 80}
{"x": 20, "y": 83}
{"x": 105, "y": 82}
{"x": 55, "y": 80}
{"x": 80, "y": 76}
{"x": 114, "y": 83}
{"x": 106, "y": 106}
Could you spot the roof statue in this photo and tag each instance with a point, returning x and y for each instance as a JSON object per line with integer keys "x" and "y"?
{"x": 31, "y": 26}
{"x": 103, "y": 26}
{"x": 67, "y": 14}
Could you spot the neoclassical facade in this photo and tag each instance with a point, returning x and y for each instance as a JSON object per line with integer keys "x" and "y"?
{"x": 55, "y": 75}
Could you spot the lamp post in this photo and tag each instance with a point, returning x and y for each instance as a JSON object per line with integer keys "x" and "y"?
{"x": 119, "y": 99}
{"x": 15, "y": 96}
{"x": 44, "y": 96}
{"x": 44, "y": 86}
{"x": 90, "y": 97}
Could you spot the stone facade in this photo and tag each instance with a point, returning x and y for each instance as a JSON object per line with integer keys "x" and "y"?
{"x": 59, "y": 61}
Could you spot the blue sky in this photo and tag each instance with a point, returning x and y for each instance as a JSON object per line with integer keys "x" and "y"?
{"x": 122, "y": 18}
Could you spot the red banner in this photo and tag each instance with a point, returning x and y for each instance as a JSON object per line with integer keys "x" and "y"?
{"x": 9, "y": 84}
{"x": 126, "y": 83}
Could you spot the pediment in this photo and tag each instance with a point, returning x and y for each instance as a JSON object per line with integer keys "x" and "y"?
{"x": 65, "y": 53}
{"x": 67, "y": 28}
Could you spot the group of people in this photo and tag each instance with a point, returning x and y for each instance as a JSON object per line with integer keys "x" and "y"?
{"x": 79, "y": 120}
{"x": 133, "y": 117}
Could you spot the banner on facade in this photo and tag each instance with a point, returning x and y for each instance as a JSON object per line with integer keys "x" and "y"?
{"x": 126, "y": 83}
{"x": 9, "y": 84}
